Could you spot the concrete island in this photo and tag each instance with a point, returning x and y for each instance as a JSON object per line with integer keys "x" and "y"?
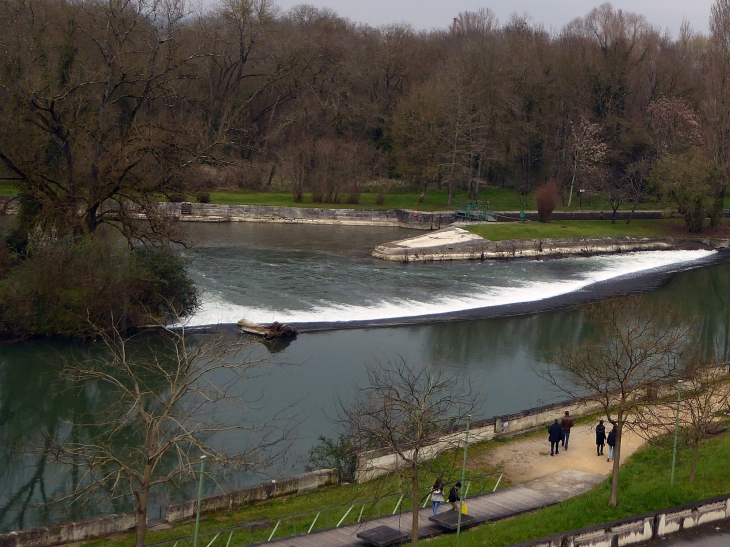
{"x": 455, "y": 243}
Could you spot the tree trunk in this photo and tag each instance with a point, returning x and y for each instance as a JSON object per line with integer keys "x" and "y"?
{"x": 695, "y": 450}
{"x": 613, "y": 216}
{"x": 572, "y": 182}
{"x": 142, "y": 501}
{"x": 613, "y": 499}
{"x": 451, "y": 181}
{"x": 631, "y": 216}
{"x": 479, "y": 178}
{"x": 414, "y": 496}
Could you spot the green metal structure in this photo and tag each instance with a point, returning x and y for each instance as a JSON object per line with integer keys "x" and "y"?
{"x": 475, "y": 211}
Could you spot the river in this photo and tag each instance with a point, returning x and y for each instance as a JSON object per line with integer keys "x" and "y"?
{"x": 470, "y": 316}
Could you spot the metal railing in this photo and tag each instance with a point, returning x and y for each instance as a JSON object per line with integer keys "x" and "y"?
{"x": 248, "y": 533}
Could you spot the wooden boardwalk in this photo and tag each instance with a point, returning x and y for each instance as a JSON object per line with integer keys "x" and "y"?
{"x": 498, "y": 505}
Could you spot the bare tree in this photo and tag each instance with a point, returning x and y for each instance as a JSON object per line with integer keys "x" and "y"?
{"x": 705, "y": 392}
{"x": 169, "y": 400}
{"x": 587, "y": 150}
{"x": 638, "y": 345}
{"x": 401, "y": 409}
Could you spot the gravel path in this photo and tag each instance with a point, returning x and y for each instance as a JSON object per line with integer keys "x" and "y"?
{"x": 527, "y": 459}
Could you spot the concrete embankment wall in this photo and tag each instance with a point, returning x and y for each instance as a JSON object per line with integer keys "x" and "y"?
{"x": 207, "y": 212}
{"x": 230, "y": 500}
{"x": 641, "y": 528}
{"x": 108, "y": 525}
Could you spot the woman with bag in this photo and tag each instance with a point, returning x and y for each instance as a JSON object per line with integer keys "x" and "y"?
{"x": 437, "y": 495}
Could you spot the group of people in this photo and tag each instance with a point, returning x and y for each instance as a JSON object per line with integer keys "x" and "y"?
{"x": 602, "y": 439}
{"x": 559, "y": 435}
{"x": 437, "y": 495}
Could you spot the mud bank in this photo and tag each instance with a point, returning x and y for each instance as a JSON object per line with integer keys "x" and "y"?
{"x": 455, "y": 243}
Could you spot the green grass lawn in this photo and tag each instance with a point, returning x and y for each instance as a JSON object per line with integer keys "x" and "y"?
{"x": 333, "y": 502}
{"x": 499, "y": 199}
{"x": 575, "y": 228}
{"x": 643, "y": 487}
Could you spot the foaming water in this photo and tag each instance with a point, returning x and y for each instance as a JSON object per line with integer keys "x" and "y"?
{"x": 368, "y": 290}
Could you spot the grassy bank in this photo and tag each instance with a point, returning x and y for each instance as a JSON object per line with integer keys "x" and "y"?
{"x": 577, "y": 228}
{"x": 644, "y": 487}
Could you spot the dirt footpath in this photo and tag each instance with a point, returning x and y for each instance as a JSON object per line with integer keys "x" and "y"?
{"x": 527, "y": 459}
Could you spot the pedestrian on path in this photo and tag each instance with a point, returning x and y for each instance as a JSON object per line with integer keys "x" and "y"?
{"x": 437, "y": 495}
{"x": 555, "y": 434}
{"x": 454, "y": 496}
{"x": 566, "y": 423}
{"x": 611, "y": 443}
{"x": 600, "y": 438}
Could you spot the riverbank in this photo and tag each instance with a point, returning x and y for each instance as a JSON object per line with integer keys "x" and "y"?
{"x": 456, "y": 243}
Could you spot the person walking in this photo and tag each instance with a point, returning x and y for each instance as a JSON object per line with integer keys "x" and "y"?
{"x": 600, "y": 438}
{"x": 555, "y": 433}
{"x": 611, "y": 443}
{"x": 437, "y": 495}
{"x": 454, "y": 496}
{"x": 566, "y": 423}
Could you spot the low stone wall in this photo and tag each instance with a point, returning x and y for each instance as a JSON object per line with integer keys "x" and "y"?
{"x": 237, "y": 498}
{"x": 108, "y": 525}
{"x": 641, "y": 528}
{"x": 70, "y": 532}
{"x": 208, "y": 212}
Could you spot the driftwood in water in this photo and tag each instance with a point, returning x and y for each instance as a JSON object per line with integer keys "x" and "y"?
{"x": 274, "y": 331}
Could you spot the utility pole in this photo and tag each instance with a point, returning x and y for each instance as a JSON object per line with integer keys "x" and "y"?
{"x": 676, "y": 430}
{"x": 463, "y": 476}
{"x": 200, "y": 495}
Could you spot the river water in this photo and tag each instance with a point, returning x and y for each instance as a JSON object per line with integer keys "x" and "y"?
{"x": 323, "y": 278}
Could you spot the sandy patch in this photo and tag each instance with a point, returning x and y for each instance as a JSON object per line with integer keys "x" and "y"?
{"x": 524, "y": 460}
{"x": 448, "y": 236}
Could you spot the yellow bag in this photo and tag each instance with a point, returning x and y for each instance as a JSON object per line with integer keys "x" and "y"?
{"x": 464, "y": 509}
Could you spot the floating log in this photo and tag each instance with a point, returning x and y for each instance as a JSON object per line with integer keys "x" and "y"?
{"x": 274, "y": 331}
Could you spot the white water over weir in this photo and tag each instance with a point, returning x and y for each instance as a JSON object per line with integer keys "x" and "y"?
{"x": 373, "y": 291}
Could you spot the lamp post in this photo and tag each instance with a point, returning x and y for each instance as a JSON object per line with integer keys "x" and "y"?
{"x": 676, "y": 430}
{"x": 200, "y": 495}
{"x": 463, "y": 476}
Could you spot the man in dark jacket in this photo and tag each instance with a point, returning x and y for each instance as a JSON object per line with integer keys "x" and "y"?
{"x": 555, "y": 433}
{"x": 600, "y": 437}
{"x": 566, "y": 423}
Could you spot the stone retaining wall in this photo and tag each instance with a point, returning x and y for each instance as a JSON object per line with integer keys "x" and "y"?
{"x": 208, "y": 212}
{"x": 642, "y": 528}
{"x": 70, "y": 532}
{"x": 230, "y": 500}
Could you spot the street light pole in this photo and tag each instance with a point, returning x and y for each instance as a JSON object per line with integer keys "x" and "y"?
{"x": 676, "y": 430}
{"x": 463, "y": 476}
{"x": 200, "y": 495}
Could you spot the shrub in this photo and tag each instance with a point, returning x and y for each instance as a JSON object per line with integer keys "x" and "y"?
{"x": 203, "y": 197}
{"x": 546, "y": 198}
{"x": 63, "y": 284}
